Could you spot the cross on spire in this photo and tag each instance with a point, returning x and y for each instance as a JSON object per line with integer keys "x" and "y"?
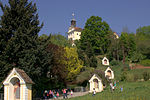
{"x": 73, "y": 15}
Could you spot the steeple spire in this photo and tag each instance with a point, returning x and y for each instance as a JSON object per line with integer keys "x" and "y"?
{"x": 73, "y": 21}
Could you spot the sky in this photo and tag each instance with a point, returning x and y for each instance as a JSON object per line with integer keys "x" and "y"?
{"x": 57, "y": 14}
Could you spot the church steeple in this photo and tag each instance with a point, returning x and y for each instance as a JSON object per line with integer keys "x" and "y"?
{"x": 73, "y": 21}
{"x": 74, "y": 32}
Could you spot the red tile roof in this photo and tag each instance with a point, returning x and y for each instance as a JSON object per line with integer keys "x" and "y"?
{"x": 78, "y": 29}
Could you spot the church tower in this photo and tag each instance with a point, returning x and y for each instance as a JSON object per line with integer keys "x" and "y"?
{"x": 74, "y": 32}
{"x": 73, "y": 21}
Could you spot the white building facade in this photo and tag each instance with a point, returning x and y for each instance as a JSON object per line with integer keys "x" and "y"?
{"x": 96, "y": 84}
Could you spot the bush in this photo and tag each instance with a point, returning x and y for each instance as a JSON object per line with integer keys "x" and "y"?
{"x": 114, "y": 63}
{"x": 146, "y": 76}
{"x": 145, "y": 62}
{"x": 136, "y": 77}
{"x": 130, "y": 77}
{"x": 123, "y": 76}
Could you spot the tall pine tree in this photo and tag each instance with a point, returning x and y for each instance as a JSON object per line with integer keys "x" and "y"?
{"x": 19, "y": 27}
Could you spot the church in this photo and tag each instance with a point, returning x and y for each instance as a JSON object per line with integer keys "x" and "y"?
{"x": 74, "y": 32}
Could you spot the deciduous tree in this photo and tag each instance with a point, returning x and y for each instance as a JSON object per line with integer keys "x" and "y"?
{"x": 94, "y": 40}
{"x": 72, "y": 63}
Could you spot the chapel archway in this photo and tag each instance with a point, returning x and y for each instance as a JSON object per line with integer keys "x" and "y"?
{"x": 109, "y": 73}
{"x": 95, "y": 83}
{"x": 14, "y": 89}
{"x": 105, "y": 61}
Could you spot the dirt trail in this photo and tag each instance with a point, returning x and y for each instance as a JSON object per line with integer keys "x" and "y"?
{"x": 136, "y": 66}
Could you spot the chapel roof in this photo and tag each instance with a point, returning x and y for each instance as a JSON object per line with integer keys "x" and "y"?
{"x": 95, "y": 76}
{"x": 24, "y": 76}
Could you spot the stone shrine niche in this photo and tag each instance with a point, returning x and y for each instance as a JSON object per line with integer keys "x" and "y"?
{"x": 17, "y": 86}
{"x": 105, "y": 61}
{"x": 96, "y": 83}
{"x": 109, "y": 73}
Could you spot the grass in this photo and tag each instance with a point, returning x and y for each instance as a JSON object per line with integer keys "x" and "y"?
{"x": 131, "y": 91}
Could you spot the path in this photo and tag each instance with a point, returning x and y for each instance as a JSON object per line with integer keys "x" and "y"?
{"x": 75, "y": 94}
{"x": 136, "y": 66}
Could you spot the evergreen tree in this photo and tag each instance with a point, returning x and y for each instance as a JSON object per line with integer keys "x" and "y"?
{"x": 19, "y": 27}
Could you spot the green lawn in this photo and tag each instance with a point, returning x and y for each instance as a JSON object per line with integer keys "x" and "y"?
{"x": 131, "y": 91}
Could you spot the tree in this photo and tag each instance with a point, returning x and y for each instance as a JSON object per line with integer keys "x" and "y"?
{"x": 95, "y": 32}
{"x": 19, "y": 27}
{"x": 142, "y": 41}
{"x": 45, "y": 62}
{"x": 72, "y": 63}
{"x": 57, "y": 39}
{"x": 113, "y": 50}
{"x": 58, "y": 71}
{"x": 127, "y": 45}
{"x": 95, "y": 37}
{"x": 60, "y": 40}
{"x": 144, "y": 29}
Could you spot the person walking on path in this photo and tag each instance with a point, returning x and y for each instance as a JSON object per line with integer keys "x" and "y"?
{"x": 115, "y": 84}
{"x": 121, "y": 88}
{"x": 64, "y": 93}
{"x": 112, "y": 87}
{"x": 94, "y": 92}
{"x": 71, "y": 93}
{"x": 57, "y": 95}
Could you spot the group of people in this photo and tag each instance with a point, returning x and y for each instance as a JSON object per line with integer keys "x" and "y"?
{"x": 55, "y": 94}
{"x": 65, "y": 91}
{"x": 113, "y": 86}
{"x": 50, "y": 94}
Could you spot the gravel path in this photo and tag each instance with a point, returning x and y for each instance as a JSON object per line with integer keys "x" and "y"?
{"x": 75, "y": 94}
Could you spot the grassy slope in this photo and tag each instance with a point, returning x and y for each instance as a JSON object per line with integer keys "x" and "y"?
{"x": 131, "y": 91}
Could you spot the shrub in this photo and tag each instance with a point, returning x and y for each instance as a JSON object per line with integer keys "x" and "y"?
{"x": 146, "y": 76}
{"x": 130, "y": 77}
{"x": 136, "y": 77}
{"x": 145, "y": 62}
{"x": 114, "y": 63}
{"x": 123, "y": 76}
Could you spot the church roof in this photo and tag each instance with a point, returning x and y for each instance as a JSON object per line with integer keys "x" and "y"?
{"x": 116, "y": 35}
{"x": 78, "y": 29}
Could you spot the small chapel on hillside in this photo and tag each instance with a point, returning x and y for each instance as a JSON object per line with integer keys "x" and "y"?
{"x": 96, "y": 82}
{"x": 17, "y": 85}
